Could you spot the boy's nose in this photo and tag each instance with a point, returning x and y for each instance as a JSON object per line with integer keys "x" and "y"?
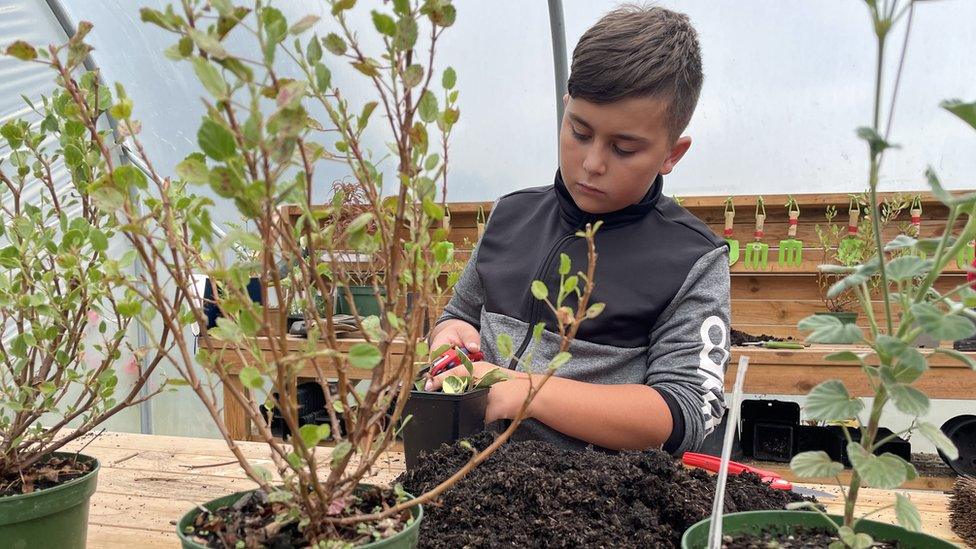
{"x": 593, "y": 162}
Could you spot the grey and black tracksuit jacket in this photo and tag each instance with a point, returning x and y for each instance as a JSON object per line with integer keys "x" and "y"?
{"x": 661, "y": 272}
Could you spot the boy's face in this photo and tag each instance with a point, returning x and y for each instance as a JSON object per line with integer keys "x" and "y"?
{"x": 609, "y": 154}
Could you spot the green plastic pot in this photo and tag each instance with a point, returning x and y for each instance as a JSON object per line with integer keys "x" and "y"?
{"x": 844, "y": 317}
{"x": 52, "y": 517}
{"x": 406, "y": 539}
{"x": 364, "y": 297}
{"x": 755, "y": 522}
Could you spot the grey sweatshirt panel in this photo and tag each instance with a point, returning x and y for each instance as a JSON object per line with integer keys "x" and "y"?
{"x": 591, "y": 363}
{"x": 469, "y": 296}
{"x": 689, "y": 349}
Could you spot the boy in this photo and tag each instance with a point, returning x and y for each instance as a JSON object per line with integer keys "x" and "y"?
{"x": 648, "y": 372}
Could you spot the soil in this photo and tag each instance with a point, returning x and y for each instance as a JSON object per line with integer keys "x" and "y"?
{"x": 44, "y": 474}
{"x": 533, "y": 494}
{"x": 801, "y": 538}
{"x": 737, "y": 338}
{"x": 253, "y": 519}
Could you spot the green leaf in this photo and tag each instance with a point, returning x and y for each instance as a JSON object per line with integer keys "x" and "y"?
{"x": 405, "y": 36}
{"x": 21, "y": 50}
{"x": 208, "y": 43}
{"x": 340, "y": 452}
{"x": 876, "y": 143}
{"x": 937, "y": 189}
{"x": 965, "y": 111}
{"x": 385, "y": 24}
{"x": 539, "y": 290}
{"x": 594, "y": 310}
{"x": 210, "y": 77}
{"x": 323, "y": 77}
{"x": 363, "y": 120}
{"x": 335, "y": 44}
{"x": 908, "y": 399}
{"x": 851, "y": 540}
{"x": 413, "y": 75}
{"x": 907, "y": 267}
{"x": 454, "y": 385}
{"x": 906, "y": 513}
{"x": 504, "y": 342}
{"x": 961, "y": 357}
{"x": 492, "y": 377}
{"x": 449, "y": 78}
{"x": 215, "y": 140}
{"x": 365, "y": 356}
{"x": 72, "y": 155}
{"x": 830, "y": 401}
{"x": 128, "y": 176}
{"x": 312, "y": 434}
{"x": 121, "y": 110}
{"x": 251, "y": 378}
{"x": 909, "y": 365}
{"x": 943, "y": 326}
{"x": 559, "y": 360}
{"x": 98, "y": 239}
{"x": 565, "y": 265}
{"x": 193, "y": 169}
{"x": 304, "y": 24}
{"x": 427, "y": 107}
{"x": 444, "y": 251}
{"x": 275, "y": 25}
{"x": 883, "y": 472}
{"x": 537, "y": 331}
{"x": 939, "y": 439}
{"x": 815, "y": 465}
{"x": 900, "y": 242}
{"x": 314, "y": 50}
{"x": 570, "y": 284}
{"x": 342, "y": 5}
{"x": 827, "y": 329}
{"x": 401, "y": 7}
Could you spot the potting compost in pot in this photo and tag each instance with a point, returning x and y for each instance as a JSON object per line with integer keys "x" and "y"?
{"x": 533, "y": 494}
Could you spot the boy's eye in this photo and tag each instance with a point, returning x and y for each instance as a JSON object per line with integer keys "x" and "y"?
{"x": 577, "y": 135}
{"x": 622, "y": 152}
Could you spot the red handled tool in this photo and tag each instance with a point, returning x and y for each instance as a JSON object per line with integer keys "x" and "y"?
{"x": 451, "y": 358}
{"x": 712, "y": 463}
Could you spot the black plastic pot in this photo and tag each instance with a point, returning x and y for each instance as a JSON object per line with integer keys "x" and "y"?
{"x": 210, "y": 307}
{"x": 439, "y": 418}
{"x": 768, "y": 429}
{"x": 961, "y": 430}
{"x": 835, "y": 444}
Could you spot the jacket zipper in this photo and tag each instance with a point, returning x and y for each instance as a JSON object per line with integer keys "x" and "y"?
{"x": 534, "y": 313}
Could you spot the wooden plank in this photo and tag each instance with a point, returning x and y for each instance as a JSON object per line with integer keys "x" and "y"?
{"x": 744, "y": 202}
{"x": 922, "y": 482}
{"x": 801, "y": 286}
{"x": 795, "y": 373}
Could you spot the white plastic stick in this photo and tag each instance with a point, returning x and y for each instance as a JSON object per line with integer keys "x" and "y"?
{"x": 718, "y": 504}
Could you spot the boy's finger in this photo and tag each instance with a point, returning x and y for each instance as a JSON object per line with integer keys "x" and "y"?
{"x": 436, "y": 382}
{"x": 470, "y": 337}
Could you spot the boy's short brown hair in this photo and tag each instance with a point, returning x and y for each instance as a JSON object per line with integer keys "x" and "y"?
{"x": 635, "y": 51}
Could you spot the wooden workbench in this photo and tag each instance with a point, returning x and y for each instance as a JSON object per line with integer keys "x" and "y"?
{"x": 771, "y": 371}
{"x": 147, "y": 482}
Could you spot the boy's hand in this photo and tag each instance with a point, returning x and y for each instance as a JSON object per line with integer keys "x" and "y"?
{"x": 456, "y": 332}
{"x": 504, "y": 398}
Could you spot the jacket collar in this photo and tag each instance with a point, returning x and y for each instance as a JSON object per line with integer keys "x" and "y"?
{"x": 572, "y": 214}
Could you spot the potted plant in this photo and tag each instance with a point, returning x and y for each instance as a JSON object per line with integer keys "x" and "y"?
{"x": 850, "y": 245}
{"x": 260, "y": 146}
{"x": 67, "y": 358}
{"x": 890, "y": 361}
{"x": 364, "y": 290}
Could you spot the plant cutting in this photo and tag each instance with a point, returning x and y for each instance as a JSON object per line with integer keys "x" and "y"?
{"x": 889, "y": 361}
{"x": 69, "y": 359}
{"x": 364, "y": 289}
{"x": 259, "y": 147}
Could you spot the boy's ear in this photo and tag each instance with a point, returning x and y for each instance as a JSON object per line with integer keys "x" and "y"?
{"x": 677, "y": 151}
{"x": 565, "y": 100}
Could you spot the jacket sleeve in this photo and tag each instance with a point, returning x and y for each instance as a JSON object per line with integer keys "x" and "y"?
{"x": 689, "y": 352}
{"x": 469, "y": 295}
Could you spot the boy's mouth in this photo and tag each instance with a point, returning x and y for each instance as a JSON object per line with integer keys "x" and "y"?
{"x": 588, "y": 189}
